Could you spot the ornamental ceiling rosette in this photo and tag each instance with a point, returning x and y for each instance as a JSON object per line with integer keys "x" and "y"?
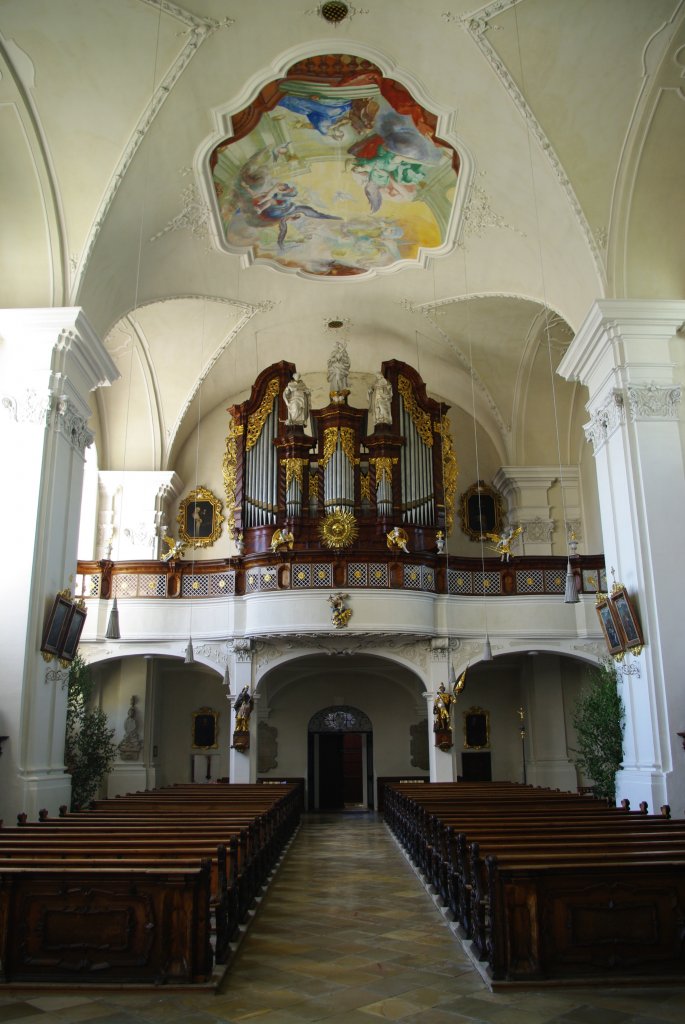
{"x": 335, "y": 170}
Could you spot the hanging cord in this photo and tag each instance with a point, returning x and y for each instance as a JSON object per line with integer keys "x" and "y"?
{"x": 571, "y": 590}
{"x": 487, "y": 650}
{"x": 113, "y": 631}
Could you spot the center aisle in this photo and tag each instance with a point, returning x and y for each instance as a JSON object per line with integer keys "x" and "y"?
{"x": 347, "y": 933}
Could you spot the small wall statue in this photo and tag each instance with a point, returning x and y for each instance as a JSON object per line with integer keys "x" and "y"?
{"x": 244, "y": 704}
{"x": 132, "y": 743}
{"x": 282, "y": 540}
{"x": 398, "y": 539}
{"x": 340, "y": 614}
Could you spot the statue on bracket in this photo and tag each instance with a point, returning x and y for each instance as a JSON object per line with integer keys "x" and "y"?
{"x": 442, "y": 704}
{"x": 244, "y": 704}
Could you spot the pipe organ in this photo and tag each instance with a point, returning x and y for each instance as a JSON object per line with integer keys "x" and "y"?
{"x": 310, "y": 471}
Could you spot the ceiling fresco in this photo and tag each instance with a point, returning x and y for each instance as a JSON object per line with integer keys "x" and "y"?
{"x": 335, "y": 170}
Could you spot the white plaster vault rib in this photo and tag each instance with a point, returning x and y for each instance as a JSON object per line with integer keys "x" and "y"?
{"x": 197, "y": 30}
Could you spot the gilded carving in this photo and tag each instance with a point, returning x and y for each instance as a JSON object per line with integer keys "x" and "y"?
{"x": 330, "y": 440}
{"x": 450, "y": 472}
{"x": 383, "y": 464}
{"x": 293, "y": 470}
{"x": 258, "y": 418}
{"x": 365, "y": 486}
{"x": 230, "y": 471}
{"x": 347, "y": 444}
{"x": 420, "y": 419}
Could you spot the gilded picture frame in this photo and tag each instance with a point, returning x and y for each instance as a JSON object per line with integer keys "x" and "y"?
{"x": 205, "y": 729}
{"x": 476, "y": 728}
{"x": 610, "y": 626}
{"x": 481, "y": 510}
{"x": 626, "y": 619}
{"x": 56, "y": 626}
{"x": 200, "y": 518}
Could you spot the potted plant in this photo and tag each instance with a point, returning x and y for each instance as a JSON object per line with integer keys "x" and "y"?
{"x": 598, "y": 718}
{"x": 89, "y": 748}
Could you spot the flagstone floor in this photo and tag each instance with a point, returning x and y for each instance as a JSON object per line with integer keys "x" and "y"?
{"x": 348, "y": 935}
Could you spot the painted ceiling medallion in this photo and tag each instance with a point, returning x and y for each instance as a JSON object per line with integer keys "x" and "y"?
{"x": 335, "y": 171}
{"x": 338, "y": 530}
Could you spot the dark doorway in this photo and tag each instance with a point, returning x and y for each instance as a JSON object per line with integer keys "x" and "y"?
{"x": 340, "y": 761}
{"x": 476, "y": 767}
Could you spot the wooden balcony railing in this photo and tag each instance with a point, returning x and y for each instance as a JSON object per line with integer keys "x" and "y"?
{"x": 462, "y": 577}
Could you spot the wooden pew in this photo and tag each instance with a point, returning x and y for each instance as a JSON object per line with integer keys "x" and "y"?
{"x": 547, "y": 885}
{"x": 164, "y": 837}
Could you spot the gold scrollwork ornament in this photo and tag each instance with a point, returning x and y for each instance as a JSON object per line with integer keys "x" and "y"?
{"x": 339, "y": 529}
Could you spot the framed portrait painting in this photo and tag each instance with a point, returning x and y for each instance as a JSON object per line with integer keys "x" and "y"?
{"x": 610, "y": 628}
{"x": 482, "y": 511}
{"x": 205, "y": 729}
{"x": 626, "y": 619}
{"x": 199, "y": 518}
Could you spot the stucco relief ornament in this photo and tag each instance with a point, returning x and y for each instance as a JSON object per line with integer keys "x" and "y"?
{"x": 605, "y": 420}
{"x": 653, "y": 401}
{"x": 29, "y": 408}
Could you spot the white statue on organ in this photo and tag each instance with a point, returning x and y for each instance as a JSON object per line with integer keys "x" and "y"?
{"x": 380, "y": 399}
{"x": 297, "y": 396}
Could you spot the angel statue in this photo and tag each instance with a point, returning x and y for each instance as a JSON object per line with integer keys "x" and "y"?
{"x": 176, "y": 548}
{"x": 397, "y": 539}
{"x": 282, "y": 539}
{"x": 504, "y": 541}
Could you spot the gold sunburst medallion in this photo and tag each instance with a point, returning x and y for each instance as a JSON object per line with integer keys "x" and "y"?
{"x": 338, "y": 530}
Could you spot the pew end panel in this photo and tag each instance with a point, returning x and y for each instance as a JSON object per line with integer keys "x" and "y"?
{"x": 106, "y": 927}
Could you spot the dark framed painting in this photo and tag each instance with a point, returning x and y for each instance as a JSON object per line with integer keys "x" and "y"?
{"x": 626, "y": 619}
{"x": 482, "y": 511}
{"x": 205, "y": 729}
{"x": 610, "y": 628}
{"x": 476, "y": 728}
{"x": 56, "y": 625}
{"x": 72, "y": 633}
{"x": 199, "y": 518}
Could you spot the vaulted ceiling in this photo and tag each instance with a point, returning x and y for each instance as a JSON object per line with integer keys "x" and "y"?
{"x": 568, "y": 117}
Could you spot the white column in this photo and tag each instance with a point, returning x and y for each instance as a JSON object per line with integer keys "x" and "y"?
{"x": 625, "y": 353}
{"x": 441, "y": 762}
{"x": 133, "y": 513}
{"x": 242, "y": 767}
{"x": 50, "y": 359}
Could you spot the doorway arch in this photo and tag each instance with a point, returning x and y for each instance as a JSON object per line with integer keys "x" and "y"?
{"x": 340, "y": 759}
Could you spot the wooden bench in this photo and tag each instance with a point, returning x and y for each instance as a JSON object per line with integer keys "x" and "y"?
{"x": 550, "y": 885}
{"x": 164, "y": 838}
